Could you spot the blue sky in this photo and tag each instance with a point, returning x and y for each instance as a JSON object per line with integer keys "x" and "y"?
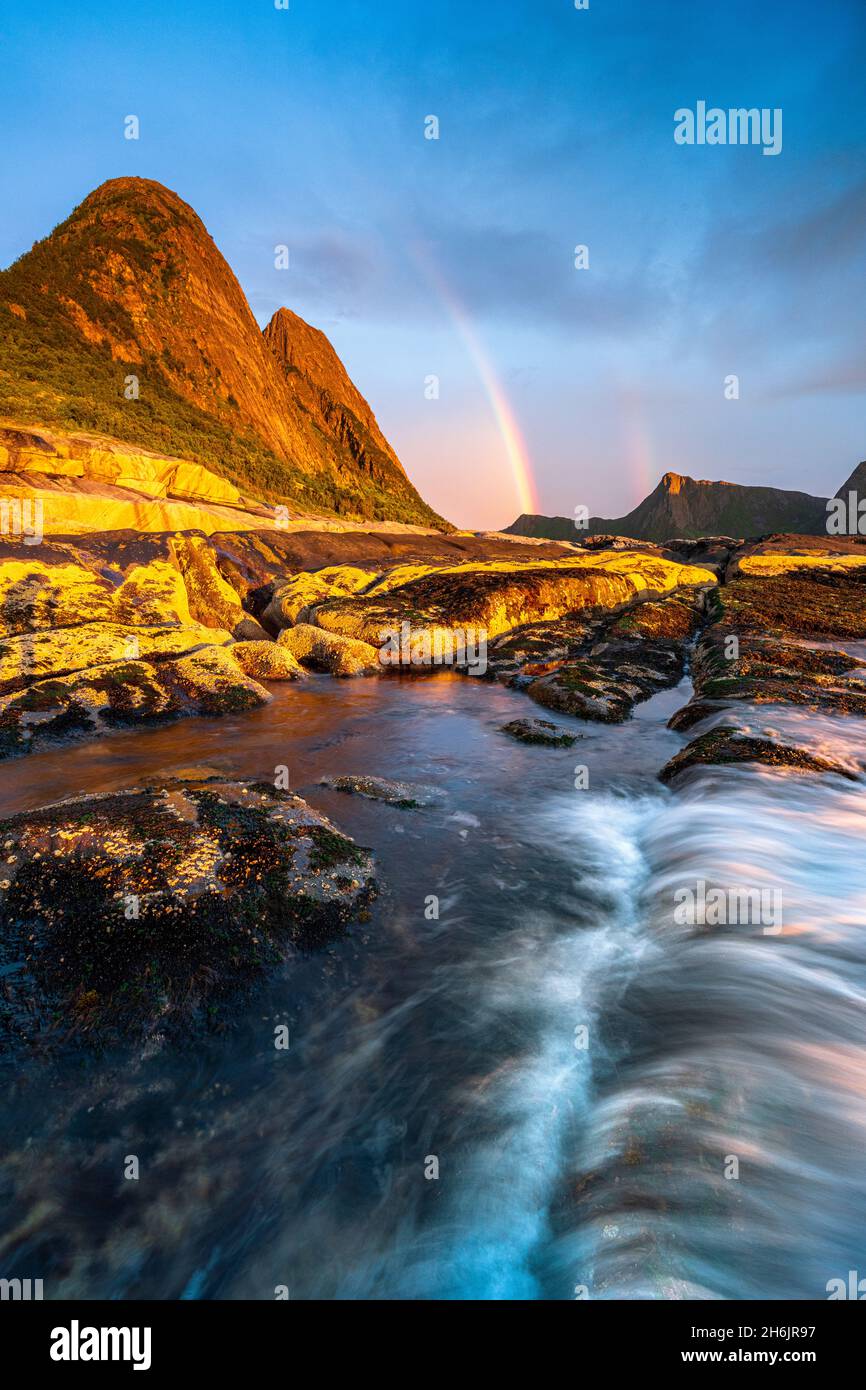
{"x": 454, "y": 257}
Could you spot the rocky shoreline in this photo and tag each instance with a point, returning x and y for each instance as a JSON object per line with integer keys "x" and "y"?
{"x": 771, "y": 640}
{"x": 143, "y": 913}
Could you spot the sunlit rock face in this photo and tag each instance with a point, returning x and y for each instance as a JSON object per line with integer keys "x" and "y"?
{"x": 143, "y": 913}
{"x": 64, "y": 584}
{"x": 784, "y": 551}
{"x": 266, "y": 661}
{"x": 771, "y": 565}
{"x": 212, "y": 600}
{"x": 330, "y": 652}
{"x": 143, "y": 630}
{"x": 95, "y": 635}
{"x": 498, "y": 596}
{"x": 102, "y": 459}
{"x": 338, "y": 418}
{"x": 64, "y": 651}
{"x": 100, "y": 633}
{"x": 296, "y": 597}
{"x": 538, "y": 618}
{"x": 86, "y": 483}
{"x": 166, "y": 580}
{"x": 90, "y": 643}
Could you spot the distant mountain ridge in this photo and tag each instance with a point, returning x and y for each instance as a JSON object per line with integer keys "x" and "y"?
{"x": 132, "y": 285}
{"x": 685, "y": 507}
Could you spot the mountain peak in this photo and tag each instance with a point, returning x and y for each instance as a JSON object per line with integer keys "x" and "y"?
{"x": 131, "y": 186}
{"x": 294, "y": 341}
{"x": 316, "y": 376}
{"x": 123, "y": 202}
{"x": 856, "y": 483}
{"x": 131, "y": 288}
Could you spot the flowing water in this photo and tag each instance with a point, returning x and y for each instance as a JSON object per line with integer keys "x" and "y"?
{"x": 617, "y": 1105}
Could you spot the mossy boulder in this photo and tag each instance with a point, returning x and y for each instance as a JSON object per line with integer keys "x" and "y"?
{"x": 145, "y": 911}
{"x": 266, "y": 661}
{"x": 671, "y": 620}
{"x": 539, "y": 731}
{"x": 579, "y": 691}
{"x": 208, "y": 681}
{"x": 329, "y": 651}
{"x": 294, "y": 598}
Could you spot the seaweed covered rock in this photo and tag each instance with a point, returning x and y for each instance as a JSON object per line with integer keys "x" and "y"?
{"x": 768, "y": 641}
{"x": 584, "y": 691}
{"x": 672, "y": 621}
{"x": 723, "y": 747}
{"x": 539, "y": 648}
{"x": 145, "y": 911}
{"x": 764, "y": 671}
{"x": 791, "y": 598}
{"x": 539, "y": 731}
{"x": 635, "y": 656}
{"x": 407, "y": 796}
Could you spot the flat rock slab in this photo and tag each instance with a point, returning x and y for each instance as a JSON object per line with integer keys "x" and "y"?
{"x": 406, "y": 795}
{"x": 145, "y": 912}
{"x": 541, "y": 731}
{"x": 818, "y": 602}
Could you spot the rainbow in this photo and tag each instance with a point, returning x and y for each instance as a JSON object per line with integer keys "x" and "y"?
{"x": 516, "y": 451}
{"x": 637, "y": 444}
